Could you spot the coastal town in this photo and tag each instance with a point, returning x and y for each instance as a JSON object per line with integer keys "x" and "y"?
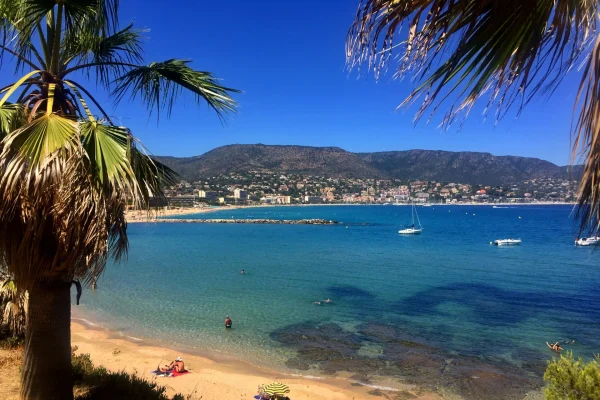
{"x": 256, "y": 188}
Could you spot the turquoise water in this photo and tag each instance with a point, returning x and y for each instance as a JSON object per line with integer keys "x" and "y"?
{"x": 446, "y": 297}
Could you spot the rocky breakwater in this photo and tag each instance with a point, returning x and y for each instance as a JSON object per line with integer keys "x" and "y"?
{"x": 315, "y": 221}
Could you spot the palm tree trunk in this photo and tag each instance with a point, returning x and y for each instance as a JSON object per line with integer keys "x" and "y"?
{"x": 47, "y": 372}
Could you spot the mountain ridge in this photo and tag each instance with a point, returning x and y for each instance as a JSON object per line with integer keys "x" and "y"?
{"x": 335, "y": 162}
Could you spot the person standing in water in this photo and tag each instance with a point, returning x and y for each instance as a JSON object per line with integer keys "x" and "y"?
{"x": 228, "y": 322}
{"x": 243, "y": 272}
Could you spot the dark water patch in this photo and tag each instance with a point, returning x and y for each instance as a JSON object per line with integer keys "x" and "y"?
{"x": 493, "y": 306}
{"x": 332, "y": 349}
{"x": 490, "y": 305}
{"x": 350, "y": 292}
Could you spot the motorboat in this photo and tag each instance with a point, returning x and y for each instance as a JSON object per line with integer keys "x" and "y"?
{"x": 590, "y": 241}
{"x": 507, "y": 242}
{"x": 412, "y": 229}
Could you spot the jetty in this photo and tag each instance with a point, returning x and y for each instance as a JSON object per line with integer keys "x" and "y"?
{"x": 314, "y": 221}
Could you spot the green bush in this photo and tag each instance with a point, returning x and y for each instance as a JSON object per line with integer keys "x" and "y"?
{"x": 570, "y": 379}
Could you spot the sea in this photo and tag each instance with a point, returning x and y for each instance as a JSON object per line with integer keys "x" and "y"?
{"x": 445, "y": 310}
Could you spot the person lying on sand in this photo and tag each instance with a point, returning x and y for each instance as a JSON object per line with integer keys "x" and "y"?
{"x": 556, "y": 347}
{"x": 177, "y": 366}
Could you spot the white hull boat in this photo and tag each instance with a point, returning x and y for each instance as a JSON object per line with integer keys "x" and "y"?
{"x": 591, "y": 241}
{"x": 412, "y": 229}
{"x": 507, "y": 242}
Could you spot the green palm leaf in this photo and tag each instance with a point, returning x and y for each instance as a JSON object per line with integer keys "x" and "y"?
{"x": 11, "y": 118}
{"x": 160, "y": 83}
{"x": 42, "y": 137}
{"x": 106, "y": 148}
{"x": 107, "y": 54}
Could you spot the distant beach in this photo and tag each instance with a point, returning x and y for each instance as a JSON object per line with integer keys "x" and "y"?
{"x": 134, "y": 216}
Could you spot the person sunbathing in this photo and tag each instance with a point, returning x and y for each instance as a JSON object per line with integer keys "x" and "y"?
{"x": 556, "y": 347}
{"x": 177, "y": 366}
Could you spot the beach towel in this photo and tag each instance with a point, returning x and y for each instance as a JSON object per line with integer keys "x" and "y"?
{"x": 172, "y": 374}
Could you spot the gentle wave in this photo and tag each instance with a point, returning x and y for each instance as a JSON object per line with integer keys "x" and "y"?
{"x": 87, "y": 322}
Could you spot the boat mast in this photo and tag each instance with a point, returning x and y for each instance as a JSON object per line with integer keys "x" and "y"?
{"x": 418, "y": 220}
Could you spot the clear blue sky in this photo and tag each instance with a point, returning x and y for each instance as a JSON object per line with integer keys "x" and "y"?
{"x": 288, "y": 58}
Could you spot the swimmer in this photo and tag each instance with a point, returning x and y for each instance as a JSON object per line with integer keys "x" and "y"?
{"x": 243, "y": 272}
{"x": 328, "y": 301}
{"x": 317, "y": 303}
{"x": 556, "y": 347}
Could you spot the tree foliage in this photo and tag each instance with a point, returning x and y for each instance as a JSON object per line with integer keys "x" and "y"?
{"x": 572, "y": 379}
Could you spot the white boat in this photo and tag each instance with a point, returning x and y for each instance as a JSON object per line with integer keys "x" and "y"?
{"x": 591, "y": 241}
{"x": 412, "y": 229}
{"x": 507, "y": 242}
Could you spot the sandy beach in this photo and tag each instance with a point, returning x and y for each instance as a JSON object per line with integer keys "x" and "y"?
{"x": 217, "y": 379}
{"x": 134, "y": 216}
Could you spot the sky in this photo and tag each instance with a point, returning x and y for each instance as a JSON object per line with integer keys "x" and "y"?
{"x": 288, "y": 59}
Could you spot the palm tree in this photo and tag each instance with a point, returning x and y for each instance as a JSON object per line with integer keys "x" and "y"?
{"x": 13, "y": 306}
{"x": 505, "y": 53}
{"x": 67, "y": 172}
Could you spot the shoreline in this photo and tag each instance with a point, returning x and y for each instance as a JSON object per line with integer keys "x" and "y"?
{"x": 137, "y": 216}
{"x": 218, "y": 377}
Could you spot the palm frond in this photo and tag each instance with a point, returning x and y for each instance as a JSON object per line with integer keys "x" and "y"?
{"x": 508, "y": 51}
{"x": 587, "y": 141}
{"x": 78, "y": 14}
{"x": 105, "y": 55}
{"x": 11, "y": 118}
{"x": 106, "y": 148}
{"x": 160, "y": 84}
{"x": 42, "y": 137}
{"x": 152, "y": 175}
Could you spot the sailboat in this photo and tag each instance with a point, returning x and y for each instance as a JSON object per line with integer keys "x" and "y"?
{"x": 412, "y": 230}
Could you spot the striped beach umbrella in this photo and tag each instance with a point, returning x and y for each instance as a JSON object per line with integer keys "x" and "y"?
{"x": 276, "y": 389}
